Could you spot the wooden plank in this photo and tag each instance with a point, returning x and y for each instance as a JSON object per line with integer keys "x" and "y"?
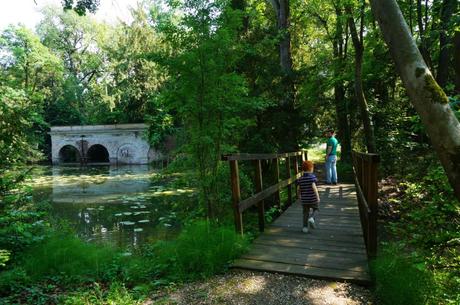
{"x": 316, "y": 239}
{"x": 313, "y": 272}
{"x": 311, "y": 244}
{"x": 323, "y": 228}
{"x": 314, "y": 259}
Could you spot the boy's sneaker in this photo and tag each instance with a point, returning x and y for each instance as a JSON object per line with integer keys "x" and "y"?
{"x": 311, "y": 222}
{"x": 305, "y": 229}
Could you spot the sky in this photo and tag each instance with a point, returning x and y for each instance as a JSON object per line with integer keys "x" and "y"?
{"x": 27, "y": 11}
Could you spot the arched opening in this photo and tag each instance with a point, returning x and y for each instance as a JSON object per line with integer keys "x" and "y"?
{"x": 98, "y": 154}
{"x": 69, "y": 154}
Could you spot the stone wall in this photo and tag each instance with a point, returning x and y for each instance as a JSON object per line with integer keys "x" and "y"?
{"x": 125, "y": 143}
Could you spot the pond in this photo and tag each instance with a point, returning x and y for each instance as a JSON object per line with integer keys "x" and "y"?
{"x": 122, "y": 205}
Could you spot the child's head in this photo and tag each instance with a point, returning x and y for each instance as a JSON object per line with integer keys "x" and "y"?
{"x": 307, "y": 166}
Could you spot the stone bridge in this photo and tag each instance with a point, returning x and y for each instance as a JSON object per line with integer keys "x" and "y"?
{"x": 102, "y": 144}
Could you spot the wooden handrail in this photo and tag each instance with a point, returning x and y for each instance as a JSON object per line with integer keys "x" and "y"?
{"x": 249, "y": 202}
{"x": 247, "y": 157}
{"x": 239, "y": 206}
{"x": 365, "y": 168}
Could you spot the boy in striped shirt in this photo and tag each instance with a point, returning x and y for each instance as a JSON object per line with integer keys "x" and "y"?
{"x": 309, "y": 196}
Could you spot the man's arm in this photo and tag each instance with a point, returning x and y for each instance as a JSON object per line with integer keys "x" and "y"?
{"x": 328, "y": 150}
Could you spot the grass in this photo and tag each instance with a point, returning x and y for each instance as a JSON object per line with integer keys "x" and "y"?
{"x": 64, "y": 254}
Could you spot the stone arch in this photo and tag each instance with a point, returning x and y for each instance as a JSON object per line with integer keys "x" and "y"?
{"x": 69, "y": 154}
{"x": 98, "y": 153}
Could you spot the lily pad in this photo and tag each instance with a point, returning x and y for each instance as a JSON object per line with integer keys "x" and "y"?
{"x": 127, "y": 223}
{"x": 138, "y": 229}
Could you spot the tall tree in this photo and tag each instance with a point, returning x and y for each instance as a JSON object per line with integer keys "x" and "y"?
{"x": 77, "y": 40}
{"x": 456, "y": 62}
{"x": 287, "y": 102}
{"x": 428, "y": 98}
{"x": 208, "y": 97}
{"x": 448, "y": 8}
{"x": 132, "y": 79}
{"x": 358, "y": 43}
{"x": 333, "y": 22}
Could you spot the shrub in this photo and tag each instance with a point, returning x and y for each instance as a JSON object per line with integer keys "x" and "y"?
{"x": 202, "y": 249}
{"x": 400, "y": 280}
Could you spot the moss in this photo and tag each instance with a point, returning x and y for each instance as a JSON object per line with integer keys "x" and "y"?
{"x": 419, "y": 72}
{"x": 437, "y": 95}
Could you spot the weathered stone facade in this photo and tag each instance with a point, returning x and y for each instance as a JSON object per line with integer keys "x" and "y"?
{"x": 115, "y": 144}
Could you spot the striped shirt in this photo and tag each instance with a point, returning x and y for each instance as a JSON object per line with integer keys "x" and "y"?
{"x": 307, "y": 194}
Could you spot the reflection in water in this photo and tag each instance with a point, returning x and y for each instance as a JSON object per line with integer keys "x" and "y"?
{"x": 120, "y": 204}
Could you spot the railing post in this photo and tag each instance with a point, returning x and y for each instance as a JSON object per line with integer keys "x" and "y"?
{"x": 372, "y": 192}
{"x": 296, "y": 171}
{"x": 289, "y": 188}
{"x": 236, "y": 195}
{"x": 277, "y": 179}
{"x": 259, "y": 187}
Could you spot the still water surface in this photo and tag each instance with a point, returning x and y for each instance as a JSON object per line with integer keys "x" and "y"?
{"x": 122, "y": 205}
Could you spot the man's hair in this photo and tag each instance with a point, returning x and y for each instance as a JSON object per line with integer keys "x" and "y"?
{"x": 331, "y": 131}
{"x": 307, "y": 166}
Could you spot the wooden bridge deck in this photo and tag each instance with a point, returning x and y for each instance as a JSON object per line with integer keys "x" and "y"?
{"x": 335, "y": 250}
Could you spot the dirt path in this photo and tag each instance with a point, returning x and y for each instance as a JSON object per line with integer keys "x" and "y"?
{"x": 257, "y": 288}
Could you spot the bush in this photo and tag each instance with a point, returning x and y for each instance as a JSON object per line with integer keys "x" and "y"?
{"x": 400, "y": 280}
{"x": 201, "y": 250}
{"x": 116, "y": 294}
{"x": 65, "y": 254}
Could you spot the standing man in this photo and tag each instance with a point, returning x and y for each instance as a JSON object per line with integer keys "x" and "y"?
{"x": 331, "y": 158}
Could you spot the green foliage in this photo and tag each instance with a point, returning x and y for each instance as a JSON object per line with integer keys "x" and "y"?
{"x": 401, "y": 280}
{"x": 116, "y": 294}
{"x": 428, "y": 228}
{"x": 22, "y": 222}
{"x": 4, "y": 257}
{"x": 134, "y": 80}
{"x": 202, "y": 249}
{"x": 19, "y": 120}
{"x": 208, "y": 97}
{"x": 64, "y": 254}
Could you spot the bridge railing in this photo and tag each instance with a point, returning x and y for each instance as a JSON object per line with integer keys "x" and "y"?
{"x": 240, "y": 205}
{"x": 365, "y": 167}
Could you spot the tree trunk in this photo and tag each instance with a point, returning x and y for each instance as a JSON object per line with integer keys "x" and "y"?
{"x": 422, "y": 28}
{"x": 290, "y": 141}
{"x": 428, "y": 98}
{"x": 281, "y": 8}
{"x": 457, "y": 60}
{"x": 359, "y": 92}
{"x": 447, "y": 10}
{"x": 343, "y": 126}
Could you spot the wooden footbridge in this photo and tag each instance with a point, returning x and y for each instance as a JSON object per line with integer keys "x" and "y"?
{"x": 345, "y": 236}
